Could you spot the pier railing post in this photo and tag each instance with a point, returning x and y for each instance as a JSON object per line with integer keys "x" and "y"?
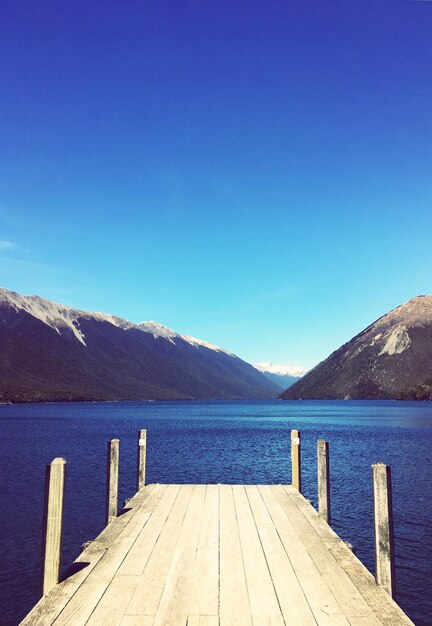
{"x": 142, "y": 451}
{"x": 296, "y": 459}
{"x": 383, "y": 521}
{"x": 112, "y": 479}
{"x": 52, "y": 524}
{"x": 323, "y": 480}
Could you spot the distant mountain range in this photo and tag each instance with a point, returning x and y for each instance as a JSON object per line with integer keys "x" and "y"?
{"x": 391, "y": 358}
{"x": 53, "y": 352}
{"x": 283, "y": 375}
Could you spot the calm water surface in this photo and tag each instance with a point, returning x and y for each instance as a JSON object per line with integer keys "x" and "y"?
{"x": 215, "y": 442}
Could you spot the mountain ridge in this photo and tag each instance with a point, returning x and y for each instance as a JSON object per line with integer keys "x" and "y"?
{"x": 53, "y": 352}
{"x": 384, "y": 360}
{"x": 50, "y": 312}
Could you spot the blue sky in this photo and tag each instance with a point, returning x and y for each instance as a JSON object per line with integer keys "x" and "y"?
{"x": 256, "y": 174}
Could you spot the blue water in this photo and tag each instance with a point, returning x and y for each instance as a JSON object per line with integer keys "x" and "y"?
{"x": 212, "y": 442}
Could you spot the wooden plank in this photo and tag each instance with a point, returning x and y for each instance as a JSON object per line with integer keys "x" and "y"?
{"x": 262, "y": 597}
{"x": 357, "y": 620}
{"x": 383, "y": 523}
{"x": 323, "y": 460}
{"x": 112, "y": 607}
{"x": 344, "y": 591}
{"x": 326, "y": 608}
{"x": 325, "y": 533}
{"x": 154, "y": 571}
{"x": 106, "y": 538}
{"x": 318, "y": 593}
{"x": 136, "y": 559}
{"x": 293, "y": 604}
{"x": 78, "y": 610}
{"x": 268, "y": 620}
{"x": 113, "y": 452}
{"x": 230, "y": 555}
{"x": 52, "y": 524}
{"x": 142, "y": 455}
{"x": 385, "y": 609}
{"x": 134, "y": 563}
{"x": 203, "y": 620}
{"x": 234, "y": 600}
{"x": 51, "y": 606}
{"x": 296, "y": 459}
{"x": 354, "y": 604}
{"x": 378, "y": 599}
{"x": 176, "y": 597}
{"x": 137, "y": 620}
{"x": 300, "y": 503}
{"x": 205, "y": 600}
{"x": 297, "y": 554}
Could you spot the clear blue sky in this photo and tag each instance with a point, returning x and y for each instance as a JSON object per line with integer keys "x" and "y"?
{"x": 257, "y": 174}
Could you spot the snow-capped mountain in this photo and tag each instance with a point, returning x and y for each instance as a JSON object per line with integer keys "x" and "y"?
{"x": 283, "y": 370}
{"x": 391, "y": 358}
{"x": 49, "y": 351}
{"x": 283, "y": 375}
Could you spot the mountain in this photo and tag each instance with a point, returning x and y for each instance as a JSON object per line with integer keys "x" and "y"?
{"x": 283, "y": 375}
{"x": 391, "y": 358}
{"x": 53, "y": 352}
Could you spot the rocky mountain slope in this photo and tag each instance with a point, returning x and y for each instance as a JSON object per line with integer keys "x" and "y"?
{"x": 53, "y": 352}
{"x": 391, "y": 358}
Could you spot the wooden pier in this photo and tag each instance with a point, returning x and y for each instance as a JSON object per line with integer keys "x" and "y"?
{"x": 207, "y": 555}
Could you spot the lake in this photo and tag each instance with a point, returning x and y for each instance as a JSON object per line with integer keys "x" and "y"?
{"x": 215, "y": 442}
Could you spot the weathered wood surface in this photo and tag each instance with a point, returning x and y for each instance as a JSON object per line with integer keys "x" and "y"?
{"x": 113, "y": 458}
{"x": 383, "y": 522}
{"x": 296, "y": 459}
{"x": 52, "y": 524}
{"x": 323, "y": 463}
{"x": 142, "y": 454}
{"x": 218, "y": 555}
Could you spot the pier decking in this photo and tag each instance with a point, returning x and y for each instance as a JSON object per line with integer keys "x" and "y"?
{"x": 207, "y": 555}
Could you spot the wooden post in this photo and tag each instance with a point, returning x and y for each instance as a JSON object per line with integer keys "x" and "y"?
{"x": 52, "y": 524}
{"x": 295, "y": 459}
{"x": 323, "y": 480}
{"x": 142, "y": 451}
{"x": 383, "y": 521}
{"x": 112, "y": 479}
